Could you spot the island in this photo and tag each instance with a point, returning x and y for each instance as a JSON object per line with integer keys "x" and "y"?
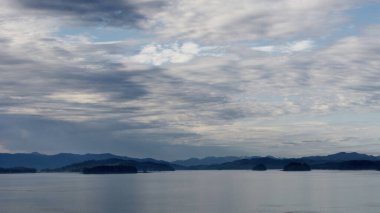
{"x": 259, "y": 167}
{"x": 350, "y": 165}
{"x": 297, "y": 166}
{"x": 17, "y": 170}
{"x": 115, "y": 169}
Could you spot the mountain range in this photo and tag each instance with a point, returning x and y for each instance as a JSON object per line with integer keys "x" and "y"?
{"x": 42, "y": 161}
{"x": 206, "y": 160}
{"x": 338, "y": 161}
{"x": 76, "y": 162}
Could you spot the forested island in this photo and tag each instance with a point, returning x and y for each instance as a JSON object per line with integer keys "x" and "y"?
{"x": 259, "y": 167}
{"x": 116, "y": 169}
{"x": 297, "y": 167}
{"x": 17, "y": 170}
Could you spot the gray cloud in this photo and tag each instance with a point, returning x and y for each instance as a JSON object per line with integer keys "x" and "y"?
{"x": 12, "y": 60}
{"x": 98, "y": 12}
{"x": 26, "y": 133}
{"x": 116, "y": 83}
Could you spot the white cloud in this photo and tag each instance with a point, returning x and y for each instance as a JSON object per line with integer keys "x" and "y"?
{"x": 23, "y": 111}
{"x": 264, "y": 48}
{"x": 78, "y": 97}
{"x": 157, "y": 54}
{"x": 297, "y": 46}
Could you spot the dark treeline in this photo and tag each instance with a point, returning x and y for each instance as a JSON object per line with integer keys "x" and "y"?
{"x": 17, "y": 170}
{"x": 116, "y": 169}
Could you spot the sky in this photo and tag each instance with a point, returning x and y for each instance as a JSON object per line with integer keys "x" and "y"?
{"x": 173, "y": 79}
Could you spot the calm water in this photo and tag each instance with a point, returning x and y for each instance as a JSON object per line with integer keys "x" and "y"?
{"x": 193, "y": 191}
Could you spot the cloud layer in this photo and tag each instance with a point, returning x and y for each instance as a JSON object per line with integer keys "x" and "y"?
{"x": 191, "y": 78}
{"x": 215, "y": 20}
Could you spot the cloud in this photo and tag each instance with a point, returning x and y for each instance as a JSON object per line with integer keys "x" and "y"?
{"x": 215, "y": 92}
{"x": 60, "y": 78}
{"x": 95, "y": 12}
{"x": 220, "y": 21}
{"x": 265, "y": 48}
{"x": 78, "y": 97}
{"x": 297, "y": 46}
{"x": 315, "y": 83}
{"x": 25, "y": 133}
{"x": 157, "y": 54}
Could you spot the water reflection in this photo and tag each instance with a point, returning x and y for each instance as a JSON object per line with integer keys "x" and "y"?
{"x": 192, "y": 191}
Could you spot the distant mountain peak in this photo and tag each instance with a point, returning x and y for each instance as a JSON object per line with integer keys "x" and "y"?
{"x": 345, "y": 153}
{"x": 36, "y": 153}
{"x": 206, "y": 160}
{"x": 343, "y": 156}
{"x": 349, "y": 154}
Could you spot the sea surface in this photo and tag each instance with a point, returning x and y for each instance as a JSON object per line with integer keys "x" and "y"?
{"x": 192, "y": 191}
